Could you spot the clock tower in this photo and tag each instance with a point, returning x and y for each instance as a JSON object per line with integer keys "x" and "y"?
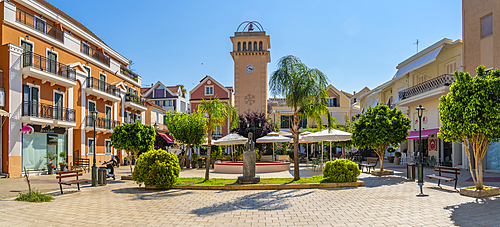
{"x": 251, "y": 55}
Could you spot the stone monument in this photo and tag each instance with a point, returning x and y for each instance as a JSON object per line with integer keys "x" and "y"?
{"x": 249, "y": 163}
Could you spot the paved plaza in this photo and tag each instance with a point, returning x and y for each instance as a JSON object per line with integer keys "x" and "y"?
{"x": 385, "y": 201}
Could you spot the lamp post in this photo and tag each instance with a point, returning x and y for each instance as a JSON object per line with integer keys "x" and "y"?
{"x": 94, "y": 166}
{"x": 420, "y": 111}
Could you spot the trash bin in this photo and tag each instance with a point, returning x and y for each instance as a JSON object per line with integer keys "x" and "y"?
{"x": 410, "y": 172}
{"x": 101, "y": 176}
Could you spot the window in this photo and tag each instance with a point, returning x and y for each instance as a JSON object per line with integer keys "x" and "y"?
{"x": 331, "y": 102}
{"x": 137, "y": 117}
{"x": 168, "y": 103}
{"x": 102, "y": 82}
{"x": 107, "y": 116}
{"x": 58, "y": 105}
{"x": 28, "y": 58}
{"x": 239, "y": 46}
{"x": 217, "y": 131}
{"x": 88, "y": 70}
{"x": 260, "y": 46}
{"x": 39, "y": 24}
{"x": 91, "y": 146}
{"x": 128, "y": 117}
{"x": 286, "y": 122}
{"x": 355, "y": 100}
{"x": 159, "y": 92}
{"x": 30, "y": 100}
{"x": 85, "y": 48}
{"x": 51, "y": 62}
{"x": 255, "y": 46}
{"x": 421, "y": 79}
{"x": 244, "y": 46}
{"x": 486, "y": 25}
{"x": 249, "y": 46}
{"x": 91, "y": 107}
{"x": 209, "y": 90}
{"x": 451, "y": 68}
{"x": 107, "y": 147}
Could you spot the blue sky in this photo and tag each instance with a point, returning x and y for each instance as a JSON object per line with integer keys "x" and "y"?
{"x": 355, "y": 43}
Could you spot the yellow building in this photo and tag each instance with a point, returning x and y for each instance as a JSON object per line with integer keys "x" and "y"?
{"x": 421, "y": 80}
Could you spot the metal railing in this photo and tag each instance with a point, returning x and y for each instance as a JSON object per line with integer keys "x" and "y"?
{"x": 102, "y": 86}
{"x": 30, "y": 59}
{"x": 136, "y": 99}
{"x": 37, "y": 109}
{"x": 440, "y": 81}
{"x": 101, "y": 122}
{"x": 129, "y": 73}
{"x": 91, "y": 52}
{"x": 39, "y": 24}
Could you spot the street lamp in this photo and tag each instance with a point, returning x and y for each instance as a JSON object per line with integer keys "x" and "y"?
{"x": 420, "y": 111}
{"x": 94, "y": 167}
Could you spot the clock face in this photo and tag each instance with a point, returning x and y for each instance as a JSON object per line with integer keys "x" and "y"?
{"x": 250, "y": 68}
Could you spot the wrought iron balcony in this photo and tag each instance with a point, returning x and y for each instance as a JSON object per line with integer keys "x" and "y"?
{"x": 91, "y": 52}
{"x": 135, "y": 99}
{"x": 39, "y": 24}
{"x": 101, "y": 122}
{"x": 129, "y": 73}
{"x": 440, "y": 81}
{"x": 30, "y": 59}
{"x": 41, "y": 110}
{"x": 102, "y": 86}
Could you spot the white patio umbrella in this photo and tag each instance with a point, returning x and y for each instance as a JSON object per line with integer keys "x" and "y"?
{"x": 273, "y": 137}
{"x": 231, "y": 139}
{"x": 328, "y": 135}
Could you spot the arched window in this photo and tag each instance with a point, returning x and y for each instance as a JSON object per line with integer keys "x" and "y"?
{"x": 255, "y": 46}
{"x": 260, "y": 45}
{"x": 239, "y": 46}
{"x": 244, "y": 46}
{"x": 249, "y": 46}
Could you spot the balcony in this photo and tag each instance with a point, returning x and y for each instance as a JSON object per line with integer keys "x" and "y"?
{"x": 43, "y": 114}
{"x": 47, "y": 70}
{"x": 429, "y": 90}
{"x": 103, "y": 90}
{"x": 96, "y": 55}
{"x": 39, "y": 24}
{"x": 101, "y": 124}
{"x": 135, "y": 102}
{"x": 129, "y": 73}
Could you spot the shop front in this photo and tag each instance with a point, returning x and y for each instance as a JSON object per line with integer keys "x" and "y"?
{"x": 493, "y": 156}
{"x": 435, "y": 150}
{"x": 43, "y": 140}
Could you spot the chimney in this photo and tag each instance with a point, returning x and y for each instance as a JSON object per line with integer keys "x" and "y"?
{"x": 151, "y": 84}
{"x": 354, "y": 92}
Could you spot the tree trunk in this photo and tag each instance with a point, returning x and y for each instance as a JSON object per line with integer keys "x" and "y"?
{"x": 479, "y": 171}
{"x": 381, "y": 159}
{"x": 209, "y": 149}
{"x": 129, "y": 154}
{"x": 184, "y": 155}
{"x": 295, "y": 133}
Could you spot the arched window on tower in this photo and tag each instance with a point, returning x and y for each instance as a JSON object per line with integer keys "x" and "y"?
{"x": 249, "y": 46}
{"x": 244, "y": 46}
{"x": 260, "y": 45}
{"x": 255, "y": 46}
{"x": 239, "y": 46}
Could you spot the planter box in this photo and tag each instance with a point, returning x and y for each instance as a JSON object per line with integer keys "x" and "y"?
{"x": 492, "y": 191}
{"x": 397, "y": 161}
{"x": 382, "y": 173}
{"x": 390, "y": 159}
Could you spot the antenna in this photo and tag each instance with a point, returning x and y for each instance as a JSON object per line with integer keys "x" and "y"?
{"x": 417, "y": 45}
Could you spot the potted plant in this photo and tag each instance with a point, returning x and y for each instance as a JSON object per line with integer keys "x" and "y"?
{"x": 50, "y": 168}
{"x": 194, "y": 159}
{"x": 125, "y": 160}
{"x": 397, "y": 160}
{"x": 62, "y": 165}
{"x": 51, "y": 156}
{"x": 390, "y": 158}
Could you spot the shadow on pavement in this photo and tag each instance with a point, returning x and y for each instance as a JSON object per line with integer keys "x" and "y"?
{"x": 382, "y": 181}
{"x": 147, "y": 194}
{"x": 262, "y": 201}
{"x": 482, "y": 212}
{"x": 440, "y": 188}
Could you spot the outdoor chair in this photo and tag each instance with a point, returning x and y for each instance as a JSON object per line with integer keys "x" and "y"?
{"x": 403, "y": 159}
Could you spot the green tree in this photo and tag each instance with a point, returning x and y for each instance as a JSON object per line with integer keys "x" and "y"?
{"x": 133, "y": 138}
{"x": 348, "y": 126}
{"x": 305, "y": 92}
{"x": 380, "y": 127}
{"x": 470, "y": 114}
{"x": 187, "y": 129}
{"x": 183, "y": 90}
{"x": 217, "y": 113}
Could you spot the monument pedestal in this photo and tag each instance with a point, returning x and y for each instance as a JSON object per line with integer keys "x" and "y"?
{"x": 249, "y": 165}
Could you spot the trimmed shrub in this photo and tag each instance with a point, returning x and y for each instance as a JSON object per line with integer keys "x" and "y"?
{"x": 341, "y": 170}
{"x": 397, "y": 154}
{"x": 157, "y": 168}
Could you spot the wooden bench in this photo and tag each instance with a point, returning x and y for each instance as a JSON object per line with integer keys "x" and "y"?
{"x": 82, "y": 163}
{"x": 72, "y": 173}
{"x": 449, "y": 170}
{"x": 370, "y": 163}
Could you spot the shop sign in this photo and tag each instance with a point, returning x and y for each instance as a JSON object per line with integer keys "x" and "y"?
{"x": 48, "y": 129}
{"x": 433, "y": 142}
{"x": 27, "y": 130}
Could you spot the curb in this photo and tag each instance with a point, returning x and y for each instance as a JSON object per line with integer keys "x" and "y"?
{"x": 269, "y": 186}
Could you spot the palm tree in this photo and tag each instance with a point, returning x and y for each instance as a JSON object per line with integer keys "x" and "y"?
{"x": 183, "y": 90}
{"x": 217, "y": 114}
{"x": 305, "y": 92}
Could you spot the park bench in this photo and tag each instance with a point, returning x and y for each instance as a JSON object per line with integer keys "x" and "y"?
{"x": 449, "y": 170}
{"x": 370, "y": 163}
{"x": 72, "y": 173}
{"x": 82, "y": 163}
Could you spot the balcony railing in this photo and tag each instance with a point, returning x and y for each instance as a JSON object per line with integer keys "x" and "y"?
{"x": 30, "y": 59}
{"x": 129, "y": 73}
{"x": 443, "y": 80}
{"x": 37, "y": 109}
{"x": 91, "y": 52}
{"x": 39, "y": 24}
{"x": 133, "y": 98}
{"x": 101, "y": 122}
{"x": 102, "y": 86}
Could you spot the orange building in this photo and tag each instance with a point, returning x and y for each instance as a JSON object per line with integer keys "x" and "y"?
{"x": 55, "y": 72}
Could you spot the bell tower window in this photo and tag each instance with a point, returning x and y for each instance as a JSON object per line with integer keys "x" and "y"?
{"x": 249, "y": 46}
{"x": 239, "y": 46}
{"x": 244, "y": 46}
{"x": 255, "y": 46}
{"x": 260, "y": 46}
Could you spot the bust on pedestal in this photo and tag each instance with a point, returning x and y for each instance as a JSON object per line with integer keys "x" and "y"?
{"x": 249, "y": 163}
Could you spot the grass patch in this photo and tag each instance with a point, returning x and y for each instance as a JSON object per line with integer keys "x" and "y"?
{"x": 34, "y": 196}
{"x": 201, "y": 181}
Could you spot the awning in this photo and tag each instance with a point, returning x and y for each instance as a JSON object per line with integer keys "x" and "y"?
{"x": 4, "y": 113}
{"x": 419, "y": 62}
{"x": 425, "y": 133}
{"x": 167, "y": 138}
